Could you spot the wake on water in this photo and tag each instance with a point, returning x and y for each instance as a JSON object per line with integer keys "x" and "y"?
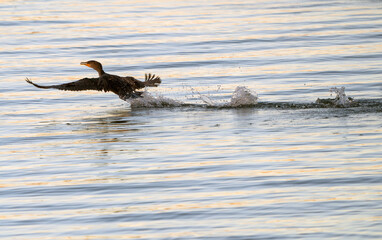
{"x": 245, "y": 97}
{"x": 241, "y": 97}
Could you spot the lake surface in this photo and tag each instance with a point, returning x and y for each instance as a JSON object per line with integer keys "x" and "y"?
{"x": 185, "y": 162}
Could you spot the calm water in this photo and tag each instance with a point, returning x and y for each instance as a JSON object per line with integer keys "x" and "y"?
{"x": 87, "y": 165}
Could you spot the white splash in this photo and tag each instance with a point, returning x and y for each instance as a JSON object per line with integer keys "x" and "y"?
{"x": 208, "y": 100}
{"x": 149, "y": 101}
{"x": 341, "y": 98}
{"x": 207, "y": 97}
{"x": 243, "y": 96}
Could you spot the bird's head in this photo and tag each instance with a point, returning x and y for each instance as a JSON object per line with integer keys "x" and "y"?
{"x": 93, "y": 64}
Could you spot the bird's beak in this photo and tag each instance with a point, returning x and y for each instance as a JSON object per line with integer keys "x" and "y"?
{"x": 84, "y": 63}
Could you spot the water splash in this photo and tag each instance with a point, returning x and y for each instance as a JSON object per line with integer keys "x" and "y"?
{"x": 206, "y": 98}
{"x": 341, "y": 100}
{"x": 241, "y": 97}
{"x": 245, "y": 97}
{"x": 149, "y": 101}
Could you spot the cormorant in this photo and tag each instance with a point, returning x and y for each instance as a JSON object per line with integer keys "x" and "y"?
{"x": 124, "y": 87}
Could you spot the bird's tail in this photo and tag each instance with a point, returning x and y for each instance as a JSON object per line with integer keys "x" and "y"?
{"x": 151, "y": 80}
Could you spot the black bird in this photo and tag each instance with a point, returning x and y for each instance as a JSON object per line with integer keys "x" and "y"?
{"x": 124, "y": 87}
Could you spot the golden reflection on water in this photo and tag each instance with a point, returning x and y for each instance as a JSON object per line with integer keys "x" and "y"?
{"x": 236, "y": 173}
{"x": 281, "y": 224}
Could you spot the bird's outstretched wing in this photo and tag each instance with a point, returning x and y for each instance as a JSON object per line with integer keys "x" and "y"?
{"x": 79, "y": 85}
{"x": 151, "y": 80}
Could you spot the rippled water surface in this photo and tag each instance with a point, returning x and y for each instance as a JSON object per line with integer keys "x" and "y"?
{"x": 184, "y": 162}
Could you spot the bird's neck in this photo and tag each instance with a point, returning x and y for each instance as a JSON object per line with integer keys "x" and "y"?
{"x": 100, "y": 72}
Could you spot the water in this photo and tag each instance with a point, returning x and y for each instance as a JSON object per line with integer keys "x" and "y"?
{"x": 232, "y": 145}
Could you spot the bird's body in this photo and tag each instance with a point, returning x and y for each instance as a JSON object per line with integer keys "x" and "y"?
{"x": 124, "y": 87}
